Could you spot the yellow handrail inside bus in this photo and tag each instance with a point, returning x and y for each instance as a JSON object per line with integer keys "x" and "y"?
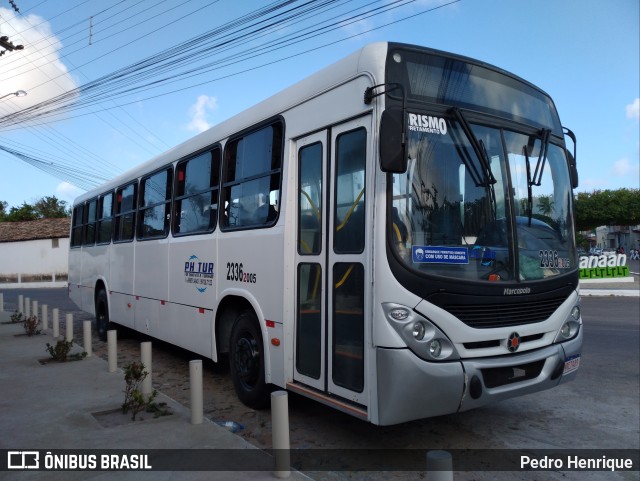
{"x": 313, "y": 206}
{"x": 353, "y": 207}
{"x": 345, "y": 276}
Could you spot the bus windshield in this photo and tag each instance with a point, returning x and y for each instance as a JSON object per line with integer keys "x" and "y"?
{"x": 482, "y": 203}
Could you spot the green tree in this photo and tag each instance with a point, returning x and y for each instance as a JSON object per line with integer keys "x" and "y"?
{"x": 607, "y": 207}
{"x": 51, "y": 207}
{"x": 44, "y": 208}
{"x": 545, "y": 204}
{"x": 24, "y": 212}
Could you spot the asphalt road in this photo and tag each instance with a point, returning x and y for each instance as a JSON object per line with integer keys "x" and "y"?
{"x": 599, "y": 410}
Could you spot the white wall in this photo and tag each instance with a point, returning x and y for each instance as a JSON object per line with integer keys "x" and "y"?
{"x": 26, "y": 260}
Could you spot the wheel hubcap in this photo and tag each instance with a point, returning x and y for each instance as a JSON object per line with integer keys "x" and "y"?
{"x": 247, "y": 358}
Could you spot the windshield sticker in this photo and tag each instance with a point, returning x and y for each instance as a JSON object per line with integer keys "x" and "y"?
{"x": 427, "y": 124}
{"x": 198, "y": 273}
{"x": 486, "y": 255}
{"x": 439, "y": 255}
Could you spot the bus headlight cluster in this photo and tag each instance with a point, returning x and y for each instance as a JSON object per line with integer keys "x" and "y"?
{"x": 571, "y": 326}
{"x": 423, "y": 337}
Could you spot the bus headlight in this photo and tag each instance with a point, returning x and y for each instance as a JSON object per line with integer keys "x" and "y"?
{"x": 575, "y": 313}
{"x": 423, "y": 337}
{"x": 571, "y": 326}
{"x": 435, "y": 348}
{"x": 418, "y": 331}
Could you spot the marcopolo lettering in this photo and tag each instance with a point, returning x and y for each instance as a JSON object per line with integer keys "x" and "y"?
{"x": 515, "y": 292}
{"x": 427, "y": 124}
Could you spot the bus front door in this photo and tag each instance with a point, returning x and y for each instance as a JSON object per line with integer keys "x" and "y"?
{"x": 330, "y": 271}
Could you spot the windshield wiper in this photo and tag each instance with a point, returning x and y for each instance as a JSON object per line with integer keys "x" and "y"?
{"x": 478, "y": 148}
{"x": 542, "y": 158}
{"x": 536, "y": 179}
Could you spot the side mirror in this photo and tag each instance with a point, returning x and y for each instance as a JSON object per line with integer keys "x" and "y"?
{"x": 392, "y": 145}
{"x": 571, "y": 159}
{"x": 573, "y": 170}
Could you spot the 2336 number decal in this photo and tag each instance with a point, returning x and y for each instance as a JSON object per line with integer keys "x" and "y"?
{"x": 551, "y": 260}
{"x": 235, "y": 272}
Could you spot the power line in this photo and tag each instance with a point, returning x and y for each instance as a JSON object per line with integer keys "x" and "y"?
{"x": 144, "y": 74}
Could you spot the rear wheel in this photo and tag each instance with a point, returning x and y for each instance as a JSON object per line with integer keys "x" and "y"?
{"x": 102, "y": 315}
{"x": 246, "y": 361}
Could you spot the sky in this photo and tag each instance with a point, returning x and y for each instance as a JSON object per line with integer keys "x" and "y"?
{"x": 583, "y": 53}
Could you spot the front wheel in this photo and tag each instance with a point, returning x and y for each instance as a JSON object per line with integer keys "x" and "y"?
{"x": 246, "y": 361}
{"x": 102, "y": 315}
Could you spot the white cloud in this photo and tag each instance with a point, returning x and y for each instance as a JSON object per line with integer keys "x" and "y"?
{"x": 66, "y": 191}
{"x": 199, "y": 112}
{"x": 633, "y": 109}
{"x": 37, "y": 69}
{"x": 625, "y": 168}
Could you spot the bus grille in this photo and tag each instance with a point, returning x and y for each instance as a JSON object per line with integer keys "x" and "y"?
{"x": 487, "y": 316}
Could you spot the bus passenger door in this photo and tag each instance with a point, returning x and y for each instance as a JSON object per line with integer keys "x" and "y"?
{"x": 331, "y": 275}
{"x": 310, "y": 329}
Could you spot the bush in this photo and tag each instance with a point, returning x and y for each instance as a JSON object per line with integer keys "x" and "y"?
{"x": 60, "y": 352}
{"x": 134, "y": 399}
{"x": 31, "y": 326}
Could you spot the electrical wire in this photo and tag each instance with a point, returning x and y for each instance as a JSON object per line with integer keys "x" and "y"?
{"x": 246, "y": 30}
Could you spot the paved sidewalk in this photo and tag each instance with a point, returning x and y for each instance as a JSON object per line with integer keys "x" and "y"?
{"x": 54, "y": 406}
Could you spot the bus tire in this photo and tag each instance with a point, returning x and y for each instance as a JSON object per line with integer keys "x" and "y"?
{"x": 102, "y": 315}
{"x": 246, "y": 361}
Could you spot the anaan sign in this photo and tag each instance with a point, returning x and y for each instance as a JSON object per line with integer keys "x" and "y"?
{"x": 603, "y": 266}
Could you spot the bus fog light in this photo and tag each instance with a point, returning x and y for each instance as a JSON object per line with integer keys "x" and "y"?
{"x": 399, "y": 314}
{"x": 418, "y": 331}
{"x": 566, "y": 331}
{"x": 435, "y": 348}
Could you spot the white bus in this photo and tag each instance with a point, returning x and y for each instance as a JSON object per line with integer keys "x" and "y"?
{"x": 392, "y": 236}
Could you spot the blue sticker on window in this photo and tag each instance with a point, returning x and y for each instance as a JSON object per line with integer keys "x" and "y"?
{"x": 439, "y": 255}
{"x": 486, "y": 255}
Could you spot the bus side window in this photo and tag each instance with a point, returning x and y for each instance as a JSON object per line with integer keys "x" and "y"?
{"x": 196, "y": 201}
{"x": 125, "y": 218}
{"x": 155, "y": 206}
{"x": 251, "y": 179}
{"x": 105, "y": 218}
{"x": 76, "y": 230}
{"x": 89, "y": 221}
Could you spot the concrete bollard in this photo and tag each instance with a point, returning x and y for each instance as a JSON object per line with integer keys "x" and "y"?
{"x": 86, "y": 331}
{"x": 35, "y": 308}
{"x": 69, "y": 326}
{"x": 280, "y": 433}
{"x": 112, "y": 346}
{"x": 195, "y": 386}
{"x": 21, "y": 304}
{"x": 1, "y": 302}
{"x": 27, "y": 307}
{"x": 439, "y": 466}
{"x": 45, "y": 317}
{"x": 145, "y": 357}
{"x": 56, "y": 323}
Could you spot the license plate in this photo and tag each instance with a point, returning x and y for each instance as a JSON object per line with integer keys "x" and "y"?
{"x": 571, "y": 364}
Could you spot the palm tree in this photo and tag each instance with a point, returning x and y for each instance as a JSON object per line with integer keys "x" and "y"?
{"x": 545, "y": 204}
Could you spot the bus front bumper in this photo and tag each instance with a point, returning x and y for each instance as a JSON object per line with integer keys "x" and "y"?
{"x": 410, "y": 388}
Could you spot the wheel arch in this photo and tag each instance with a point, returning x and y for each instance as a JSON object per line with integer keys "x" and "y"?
{"x": 231, "y": 305}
